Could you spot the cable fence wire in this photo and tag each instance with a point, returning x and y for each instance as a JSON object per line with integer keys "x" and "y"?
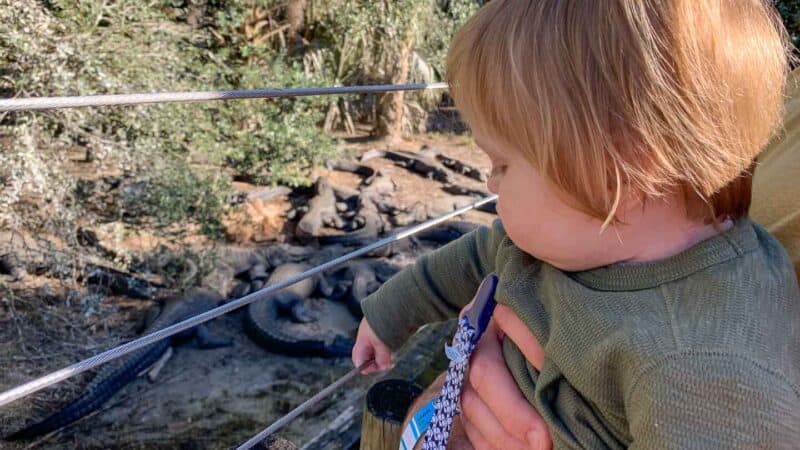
{"x": 52, "y": 378}
{"x": 40, "y": 103}
{"x": 306, "y": 405}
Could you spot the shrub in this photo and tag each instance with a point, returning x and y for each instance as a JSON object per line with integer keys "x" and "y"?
{"x": 72, "y": 47}
{"x": 790, "y": 13}
{"x": 176, "y": 192}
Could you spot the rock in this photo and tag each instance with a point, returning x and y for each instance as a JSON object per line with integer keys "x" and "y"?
{"x": 256, "y": 220}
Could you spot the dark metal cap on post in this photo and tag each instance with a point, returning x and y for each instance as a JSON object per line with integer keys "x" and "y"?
{"x": 385, "y": 409}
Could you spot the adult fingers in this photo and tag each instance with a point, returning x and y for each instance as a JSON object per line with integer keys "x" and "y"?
{"x": 493, "y": 383}
{"x": 493, "y": 330}
{"x": 516, "y": 329}
{"x": 475, "y": 437}
{"x": 478, "y": 415}
{"x": 540, "y": 440}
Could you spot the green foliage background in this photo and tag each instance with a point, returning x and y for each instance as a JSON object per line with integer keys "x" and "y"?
{"x": 185, "y": 155}
{"x": 790, "y": 13}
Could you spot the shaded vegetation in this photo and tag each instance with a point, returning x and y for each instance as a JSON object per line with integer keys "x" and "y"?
{"x": 180, "y": 158}
{"x": 790, "y": 13}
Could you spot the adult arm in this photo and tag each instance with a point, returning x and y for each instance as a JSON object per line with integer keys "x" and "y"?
{"x": 496, "y": 414}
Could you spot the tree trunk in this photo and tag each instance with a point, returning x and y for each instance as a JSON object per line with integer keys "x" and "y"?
{"x": 391, "y": 107}
{"x": 295, "y": 15}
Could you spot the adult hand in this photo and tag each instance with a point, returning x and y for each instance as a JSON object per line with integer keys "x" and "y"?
{"x": 495, "y": 413}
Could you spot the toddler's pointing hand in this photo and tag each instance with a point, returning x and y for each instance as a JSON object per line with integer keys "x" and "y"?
{"x": 369, "y": 346}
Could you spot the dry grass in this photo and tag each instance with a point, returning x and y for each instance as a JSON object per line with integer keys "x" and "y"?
{"x": 46, "y": 325}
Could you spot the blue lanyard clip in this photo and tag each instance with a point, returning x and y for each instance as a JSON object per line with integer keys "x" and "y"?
{"x": 483, "y": 305}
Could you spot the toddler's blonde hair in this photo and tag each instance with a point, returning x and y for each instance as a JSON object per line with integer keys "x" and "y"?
{"x": 660, "y": 96}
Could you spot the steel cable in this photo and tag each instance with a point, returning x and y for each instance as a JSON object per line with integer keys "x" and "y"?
{"x": 37, "y": 384}
{"x": 39, "y": 103}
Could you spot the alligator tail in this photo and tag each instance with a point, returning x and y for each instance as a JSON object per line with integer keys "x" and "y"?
{"x": 353, "y": 238}
{"x": 95, "y": 397}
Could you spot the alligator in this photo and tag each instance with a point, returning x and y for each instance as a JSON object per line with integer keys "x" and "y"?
{"x": 256, "y": 275}
{"x": 380, "y": 188}
{"x": 119, "y": 283}
{"x": 455, "y": 189}
{"x": 113, "y": 377}
{"x": 370, "y": 219}
{"x": 374, "y": 182}
{"x": 462, "y": 168}
{"x": 373, "y": 224}
{"x": 281, "y": 323}
{"x": 447, "y": 231}
{"x": 239, "y": 260}
{"x": 351, "y": 166}
{"x": 420, "y": 164}
{"x": 364, "y": 281}
{"x": 437, "y": 207}
{"x": 453, "y": 164}
{"x": 321, "y": 211}
{"x": 21, "y": 254}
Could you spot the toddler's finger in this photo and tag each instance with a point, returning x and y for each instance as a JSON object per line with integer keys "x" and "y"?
{"x": 383, "y": 359}
{"x": 361, "y": 354}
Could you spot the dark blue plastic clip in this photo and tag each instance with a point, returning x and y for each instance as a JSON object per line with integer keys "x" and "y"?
{"x": 483, "y": 305}
{"x": 477, "y": 317}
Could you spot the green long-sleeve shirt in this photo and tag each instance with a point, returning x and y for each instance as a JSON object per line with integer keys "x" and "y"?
{"x": 700, "y": 350}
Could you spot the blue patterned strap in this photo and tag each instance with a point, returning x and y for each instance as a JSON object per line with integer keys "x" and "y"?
{"x": 435, "y": 419}
{"x": 417, "y": 427}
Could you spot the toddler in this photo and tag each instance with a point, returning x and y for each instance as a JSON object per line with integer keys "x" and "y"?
{"x": 622, "y": 135}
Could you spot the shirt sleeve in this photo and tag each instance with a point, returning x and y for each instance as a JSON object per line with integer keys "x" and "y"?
{"x": 434, "y": 288}
{"x": 713, "y": 401}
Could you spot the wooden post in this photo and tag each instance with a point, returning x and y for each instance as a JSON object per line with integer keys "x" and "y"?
{"x": 419, "y": 360}
{"x": 384, "y": 410}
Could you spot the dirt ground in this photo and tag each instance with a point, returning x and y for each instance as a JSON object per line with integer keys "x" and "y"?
{"x": 203, "y": 398}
